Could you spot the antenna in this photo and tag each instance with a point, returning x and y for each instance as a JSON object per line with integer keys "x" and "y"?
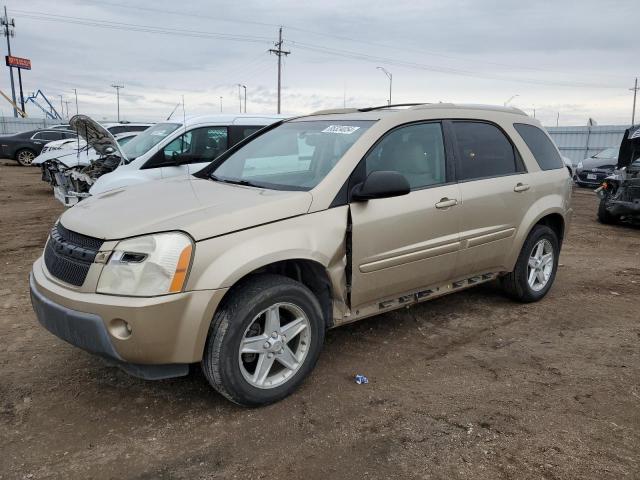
{"x": 173, "y": 111}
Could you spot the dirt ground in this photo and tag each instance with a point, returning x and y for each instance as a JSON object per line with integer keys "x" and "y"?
{"x": 467, "y": 386}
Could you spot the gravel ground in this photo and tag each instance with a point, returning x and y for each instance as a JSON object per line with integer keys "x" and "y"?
{"x": 467, "y": 386}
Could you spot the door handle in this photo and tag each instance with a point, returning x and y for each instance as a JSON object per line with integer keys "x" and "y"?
{"x": 521, "y": 187}
{"x": 446, "y": 202}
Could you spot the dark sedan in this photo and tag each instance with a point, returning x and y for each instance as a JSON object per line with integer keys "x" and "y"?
{"x": 26, "y": 146}
{"x": 591, "y": 171}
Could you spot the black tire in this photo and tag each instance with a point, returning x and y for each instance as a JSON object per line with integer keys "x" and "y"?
{"x": 25, "y": 156}
{"x": 220, "y": 362}
{"x": 604, "y": 216}
{"x": 515, "y": 284}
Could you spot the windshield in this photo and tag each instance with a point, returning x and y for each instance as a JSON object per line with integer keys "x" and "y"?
{"x": 608, "y": 153}
{"x": 147, "y": 139}
{"x": 292, "y": 156}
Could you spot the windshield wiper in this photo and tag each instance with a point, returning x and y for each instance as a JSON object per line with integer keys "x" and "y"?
{"x": 246, "y": 183}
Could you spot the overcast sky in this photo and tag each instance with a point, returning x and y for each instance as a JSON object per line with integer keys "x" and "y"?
{"x": 578, "y": 58}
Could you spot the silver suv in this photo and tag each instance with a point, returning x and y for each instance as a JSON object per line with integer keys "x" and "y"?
{"x": 312, "y": 223}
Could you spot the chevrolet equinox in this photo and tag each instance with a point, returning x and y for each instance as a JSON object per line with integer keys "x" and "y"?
{"x": 309, "y": 224}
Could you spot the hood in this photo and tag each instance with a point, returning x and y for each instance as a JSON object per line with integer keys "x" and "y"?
{"x": 203, "y": 208}
{"x": 599, "y": 163}
{"x": 630, "y": 147}
{"x": 97, "y": 137}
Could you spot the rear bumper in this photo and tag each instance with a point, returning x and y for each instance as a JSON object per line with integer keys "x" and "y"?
{"x": 166, "y": 333}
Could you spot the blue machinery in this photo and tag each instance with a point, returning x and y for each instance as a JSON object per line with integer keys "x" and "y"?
{"x": 49, "y": 112}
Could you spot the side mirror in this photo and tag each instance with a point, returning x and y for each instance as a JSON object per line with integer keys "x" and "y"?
{"x": 178, "y": 159}
{"x": 381, "y": 184}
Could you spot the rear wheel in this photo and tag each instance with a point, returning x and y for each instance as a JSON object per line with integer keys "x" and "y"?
{"x": 264, "y": 341}
{"x": 604, "y": 216}
{"x": 536, "y": 266}
{"x": 25, "y": 157}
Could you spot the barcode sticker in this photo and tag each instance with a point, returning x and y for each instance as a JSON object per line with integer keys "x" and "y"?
{"x": 343, "y": 129}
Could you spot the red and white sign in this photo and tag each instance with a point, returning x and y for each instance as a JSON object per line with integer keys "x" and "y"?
{"x": 18, "y": 62}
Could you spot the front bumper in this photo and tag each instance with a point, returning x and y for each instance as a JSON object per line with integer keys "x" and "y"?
{"x": 166, "y": 333}
{"x": 624, "y": 209}
{"x": 582, "y": 177}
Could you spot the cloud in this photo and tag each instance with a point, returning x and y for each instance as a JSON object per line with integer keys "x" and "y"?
{"x": 570, "y": 56}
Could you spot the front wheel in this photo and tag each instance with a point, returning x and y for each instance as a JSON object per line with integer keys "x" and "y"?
{"x": 25, "y": 157}
{"x": 264, "y": 340}
{"x": 536, "y": 266}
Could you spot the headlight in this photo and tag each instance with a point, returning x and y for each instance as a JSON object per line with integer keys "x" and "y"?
{"x": 579, "y": 164}
{"x": 147, "y": 266}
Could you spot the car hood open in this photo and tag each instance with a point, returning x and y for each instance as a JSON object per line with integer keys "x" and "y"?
{"x": 203, "y": 208}
{"x": 97, "y": 137}
{"x": 629, "y": 147}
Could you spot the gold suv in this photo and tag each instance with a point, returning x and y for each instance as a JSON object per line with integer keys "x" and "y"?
{"x": 309, "y": 224}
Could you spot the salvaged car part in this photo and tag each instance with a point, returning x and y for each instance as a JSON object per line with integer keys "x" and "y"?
{"x": 620, "y": 192}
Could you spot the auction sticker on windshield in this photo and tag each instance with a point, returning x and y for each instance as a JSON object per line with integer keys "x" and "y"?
{"x": 344, "y": 129}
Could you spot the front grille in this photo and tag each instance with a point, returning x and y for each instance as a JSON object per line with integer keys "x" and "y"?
{"x": 68, "y": 255}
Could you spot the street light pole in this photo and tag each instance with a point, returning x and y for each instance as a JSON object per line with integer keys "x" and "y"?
{"x": 220, "y": 104}
{"x": 635, "y": 93}
{"x": 390, "y": 77}
{"x": 240, "y": 96}
{"x": 245, "y": 98}
{"x": 510, "y": 99}
{"x": 76, "y": 93}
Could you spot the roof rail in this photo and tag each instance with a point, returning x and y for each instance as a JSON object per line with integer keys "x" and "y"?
{"x": 331, "y": 111}
{"x": 381, "y": 107}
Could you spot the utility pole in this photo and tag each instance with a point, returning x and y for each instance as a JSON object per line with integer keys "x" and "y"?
{"x": 279, "y": 52}
{"x": 76, "y": 93}
{"x": 635, "y": 93}
{"x": 67, "y": 102}
{"x": 8, "y": 28}
{"x": 118, "y": 87}
{"x": 390, "y": 77}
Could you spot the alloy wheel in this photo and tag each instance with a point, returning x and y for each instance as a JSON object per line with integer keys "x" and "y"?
{"x": 25, "y": 157}
{"x": 540, "y": 265}
{"x": 274, "y": 345}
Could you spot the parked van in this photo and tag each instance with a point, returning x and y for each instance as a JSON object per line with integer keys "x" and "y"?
{"x": 172, "y": 149}
{"x": 312, "y": 223}
{"x": 164, "y": 150}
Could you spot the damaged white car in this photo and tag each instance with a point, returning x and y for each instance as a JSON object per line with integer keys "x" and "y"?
{"x": 167, "y": 149}
{"x": 72, "y": 169}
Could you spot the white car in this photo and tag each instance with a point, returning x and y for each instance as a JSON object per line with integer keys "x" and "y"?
{"x": 176, "y": 148}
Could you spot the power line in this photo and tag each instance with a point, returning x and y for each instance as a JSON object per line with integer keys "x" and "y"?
{"x": 308, "y": 46}
{"x": 447, "y": 70}
{"x": 50, "y": 17}
{"x": 403, "y": 48}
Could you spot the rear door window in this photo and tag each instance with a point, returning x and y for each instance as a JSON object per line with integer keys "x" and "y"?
{"x": 541, "y": 146}
{"x": 484, "y": 151}
{"x": 48, "y": 136}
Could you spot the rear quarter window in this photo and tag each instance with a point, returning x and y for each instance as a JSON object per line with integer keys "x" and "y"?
{"x": 542, "y": 148}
